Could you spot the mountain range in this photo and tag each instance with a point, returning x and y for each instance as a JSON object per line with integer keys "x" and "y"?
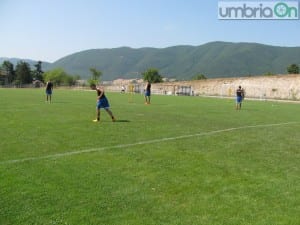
{"x": 214, "y": 59}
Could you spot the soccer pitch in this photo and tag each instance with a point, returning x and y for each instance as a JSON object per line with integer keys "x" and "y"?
{"x": 179, "y": 161}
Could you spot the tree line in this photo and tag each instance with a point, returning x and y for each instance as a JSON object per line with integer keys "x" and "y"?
{"x": 23, "y": 74}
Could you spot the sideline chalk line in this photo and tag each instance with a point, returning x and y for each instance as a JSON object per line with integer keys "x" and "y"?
{"x": 59, "y": 155}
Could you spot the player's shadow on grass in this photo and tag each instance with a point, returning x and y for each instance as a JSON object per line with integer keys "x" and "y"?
{"x": 60, "y": 102}
{"x": 122, "y": 121}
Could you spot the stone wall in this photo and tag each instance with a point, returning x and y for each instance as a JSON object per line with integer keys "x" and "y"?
{"x": 285, "y": 87}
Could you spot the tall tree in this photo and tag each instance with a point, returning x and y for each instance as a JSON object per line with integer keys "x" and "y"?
{"x": 96, "y": 74}
{"x": 152, "y": 75}
{"x": 59, "y": 77}
{"x": 8, "y": 67}
{"x": 56, "y": 75}
{"x": 23, "y": 73}
{"x": 38, "y": 72}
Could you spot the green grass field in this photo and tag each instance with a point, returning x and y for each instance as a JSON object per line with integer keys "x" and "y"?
{"x": 179, "y": 161}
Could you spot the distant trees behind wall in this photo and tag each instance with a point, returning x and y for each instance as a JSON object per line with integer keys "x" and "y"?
{"x": 293, "y": 69}
{"x": 23, "y": 74}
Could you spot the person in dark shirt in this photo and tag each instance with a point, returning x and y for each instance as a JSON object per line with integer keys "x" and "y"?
{"x": 147, "y": 91}
{"x": 102, "y": 103}
{"x": 49, "y": 89}
{"x": 239, "y": 98}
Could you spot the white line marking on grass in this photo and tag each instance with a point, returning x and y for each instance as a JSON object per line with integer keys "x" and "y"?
{"x": 59, "y": 155}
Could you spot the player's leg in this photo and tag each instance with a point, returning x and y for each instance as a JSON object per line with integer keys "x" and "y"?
{"x": 238, "y": 103}
{"x": 47, "y": 96}
{"x": 148, "y": 99}
{"x": 97, "y": 114}
{"x": 110, "y": 114}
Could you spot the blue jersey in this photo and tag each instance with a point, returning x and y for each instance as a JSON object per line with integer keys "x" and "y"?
{"x": 239, "y": 95}
{"x": 102, "y": 102}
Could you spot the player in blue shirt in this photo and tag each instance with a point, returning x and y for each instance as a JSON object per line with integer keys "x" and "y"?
{"x": 240, "y": 94}
{"x": 102, "y": 103}
{"x": 49, "y": 88}
{"x": 147, "y": 91}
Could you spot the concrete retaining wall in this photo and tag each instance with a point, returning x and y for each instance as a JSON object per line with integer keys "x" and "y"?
{"x": 285, "y": 87}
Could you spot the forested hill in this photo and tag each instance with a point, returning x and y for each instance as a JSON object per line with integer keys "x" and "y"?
{"x": 215, "y": 59}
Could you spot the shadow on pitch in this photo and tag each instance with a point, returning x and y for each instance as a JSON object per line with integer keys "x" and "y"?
{"x": 122, "y": 121}
{"x": 60, "y": 102}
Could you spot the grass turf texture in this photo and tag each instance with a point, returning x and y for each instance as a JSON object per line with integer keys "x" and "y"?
{"x": 144, "y": 168}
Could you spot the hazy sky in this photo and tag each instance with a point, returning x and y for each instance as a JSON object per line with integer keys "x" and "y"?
{"x": 48, "y": 30}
